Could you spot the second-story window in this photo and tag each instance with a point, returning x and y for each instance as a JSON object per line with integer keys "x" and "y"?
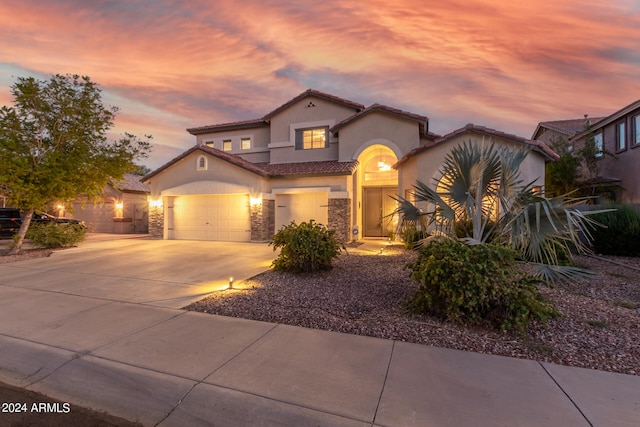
{"x": 598, "y": 145}
{"x": 621, "y": 137}
{"x": 245, "y": 143}
{"x": 636, "y": 130}
{"x": 226, "y": 145}
{"x": 311, "y": 139}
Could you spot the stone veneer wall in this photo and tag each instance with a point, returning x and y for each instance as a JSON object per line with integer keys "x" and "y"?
{"x": 156, "y": 222}
{"x": 340, "y": 218}
{"x": 263, "y": 221}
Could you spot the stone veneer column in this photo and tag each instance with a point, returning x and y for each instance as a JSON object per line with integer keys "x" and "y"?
{"x": 340, "y": 218}
{"x": 263, "y": 220}
{"x": 156, "y": 222}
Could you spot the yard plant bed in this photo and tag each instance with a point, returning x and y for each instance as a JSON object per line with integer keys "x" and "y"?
{"x": 364, "y": 294}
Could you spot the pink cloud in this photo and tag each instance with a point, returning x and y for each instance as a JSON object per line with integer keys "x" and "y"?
{"x": 175, "y": 64}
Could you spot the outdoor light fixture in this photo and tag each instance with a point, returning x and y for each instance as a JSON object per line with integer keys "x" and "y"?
{"x": 119, "y": 205}
{"x": 156, "y": 203}
{"x": 255, "y": 201}
{"x": 230, "y": 282}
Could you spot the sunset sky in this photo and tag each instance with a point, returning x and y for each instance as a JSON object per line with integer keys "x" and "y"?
{"x": 173, "y": 64}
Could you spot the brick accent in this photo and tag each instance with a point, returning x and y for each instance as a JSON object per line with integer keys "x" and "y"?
{"x": 340, "y": 218}
{"x": 156, "y": 222}
{"x": 263, "y": 221}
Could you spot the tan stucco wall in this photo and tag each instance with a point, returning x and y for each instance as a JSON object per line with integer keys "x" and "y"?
{"x": 401, "y": 135}
{"x": 185, "y": 172}
{"x": 334, "y": 183}
{"x": 259, "y": 137}
{"x": 301, "y": 116}
{"x": 429, "y": 162}
{"x": 259, "y": 142}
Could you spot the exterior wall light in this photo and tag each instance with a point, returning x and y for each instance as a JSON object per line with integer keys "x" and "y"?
{"x": 255, "y": 201}
{"x": 230, "y": 282}
{"x": 119, "y": 205}
{"x": 155, "y": 203}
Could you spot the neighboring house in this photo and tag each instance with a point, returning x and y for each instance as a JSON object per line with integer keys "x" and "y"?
{"x": 123, "y": 209}
{"x": 617, "y": 134}
{"x": 317, "y": 157}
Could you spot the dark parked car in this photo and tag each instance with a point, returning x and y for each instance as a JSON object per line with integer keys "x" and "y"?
{"x": 10, "y": 221}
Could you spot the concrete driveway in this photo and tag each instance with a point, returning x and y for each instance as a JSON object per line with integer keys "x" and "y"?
{"x": 98, "y": 326}
{"x": 165, "y": 273}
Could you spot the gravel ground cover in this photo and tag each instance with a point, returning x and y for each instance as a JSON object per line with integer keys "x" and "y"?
{"x": 364, "y": 294}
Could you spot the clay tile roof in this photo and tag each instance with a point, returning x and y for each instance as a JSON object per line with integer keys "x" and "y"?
{"x": 422, "y": 120}
{"x": 245, "y": 124}
{"x": 331, "y": 167}
{"x": 318, "y": 94}
{"x": 131, "y": 183}
{"x": 569, "y": 127}
{"x": 266, "y": 169}
{"x": 539, "y": 146}
{"x": 233, "y": 159}
{"x": 611, "y": 118}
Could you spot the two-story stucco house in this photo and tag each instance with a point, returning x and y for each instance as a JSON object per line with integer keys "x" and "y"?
{"x": 617, "y": 134}
{"x": 317, "y": 157}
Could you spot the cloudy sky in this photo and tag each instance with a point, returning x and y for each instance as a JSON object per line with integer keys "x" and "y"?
{"x": 173, "y": 64}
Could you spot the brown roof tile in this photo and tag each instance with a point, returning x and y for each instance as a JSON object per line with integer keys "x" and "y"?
{"x": 265, "y": 169}
{"x": 131, "y": 183}
{"x": 245, "y": 124}
{"x": 318, "y": 94}
{"x": 310, "y": 168}
{"x": 422, "y": 120}
{"x": 536, "y": 145}
{"x": 569, "y": 127}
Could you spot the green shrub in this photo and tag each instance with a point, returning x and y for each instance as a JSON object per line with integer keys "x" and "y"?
{"x": 622, "y": 233}
{"x": 52, "y": 235}
{"x": 410, "y": 235}
{"x": 476, "y": 285}
{"x": 305, "y": 248}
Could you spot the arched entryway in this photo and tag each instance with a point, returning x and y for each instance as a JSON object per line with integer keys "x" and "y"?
{"x": 378, "y": 181}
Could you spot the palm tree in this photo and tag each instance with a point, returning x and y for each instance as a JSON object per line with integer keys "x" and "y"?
{"x": 481, "y": 193}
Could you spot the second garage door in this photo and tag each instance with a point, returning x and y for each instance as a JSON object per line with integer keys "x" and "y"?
{"x": 224, "y": 217}
{"x": 301, "y": 208}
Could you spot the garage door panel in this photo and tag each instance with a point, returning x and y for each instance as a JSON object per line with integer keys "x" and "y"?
{"x": 212, "y": 217}
{"x": 302, "y": 208}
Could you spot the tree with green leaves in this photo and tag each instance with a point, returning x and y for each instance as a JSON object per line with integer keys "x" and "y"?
{"x": 480, "y": 192}
{"x": 54, "y": 145}
{"x": 562, "y": 176}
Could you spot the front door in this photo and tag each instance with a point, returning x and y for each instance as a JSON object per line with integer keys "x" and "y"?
{"x": 377, "y": 208}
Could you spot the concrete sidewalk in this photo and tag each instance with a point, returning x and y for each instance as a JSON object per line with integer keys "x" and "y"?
{"x": 71, "y": 328}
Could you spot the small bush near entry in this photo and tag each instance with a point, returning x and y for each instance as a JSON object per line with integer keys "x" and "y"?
{"x": 52, "y": 235}
{"x": 305, "y": 248}
{"x": 622, "y": 233}
{"x": 478, "y": 285}
{"x": 410, "y": 235}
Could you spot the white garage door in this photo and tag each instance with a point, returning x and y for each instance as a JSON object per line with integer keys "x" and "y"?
{"x": 301, "y": 208}
{"x": 224, "y": 217}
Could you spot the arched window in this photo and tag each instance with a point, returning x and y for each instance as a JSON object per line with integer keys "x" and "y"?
{"x": 379, "y": 168}
{"x": 201, "y": 164}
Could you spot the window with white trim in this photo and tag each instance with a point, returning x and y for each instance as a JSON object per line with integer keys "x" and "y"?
{"x": 201, "y": 163}
{"x": 226, "y": 145}
{"x": 312, "y": 138}
{"x": 245, "y": 143}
